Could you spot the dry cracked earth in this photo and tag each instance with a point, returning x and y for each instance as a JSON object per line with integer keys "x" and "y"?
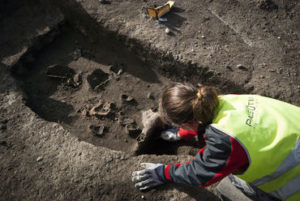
{"x": 77, "y": 75}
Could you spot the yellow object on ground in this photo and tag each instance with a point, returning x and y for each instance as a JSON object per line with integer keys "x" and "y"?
{"x": 161, "y": 10}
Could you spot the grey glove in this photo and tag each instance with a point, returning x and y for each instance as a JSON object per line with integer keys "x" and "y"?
{"x": 151, "y": 176}
{"x": 170, "y": 135}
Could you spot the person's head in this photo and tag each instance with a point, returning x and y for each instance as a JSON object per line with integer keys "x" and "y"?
{"x": 183, "y": 104}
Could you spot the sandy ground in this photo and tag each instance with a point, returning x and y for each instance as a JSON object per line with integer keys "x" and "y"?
{"x": 76, "y": 76}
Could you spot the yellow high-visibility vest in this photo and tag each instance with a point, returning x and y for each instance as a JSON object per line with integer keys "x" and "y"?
{"x": 269, "y": 131}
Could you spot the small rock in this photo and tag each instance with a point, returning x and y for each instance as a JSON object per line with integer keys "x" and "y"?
{"x": 60, "y": 72}
{"x": 229, "y": 68}
{"x": 77, "y": 79}
{"x": 76, "y": 54}
{"x": 117, "y": 68}
{"x": 127, "y": 121}
{"x": 98, "y": 79}
{"x": 206, "y": 19}
{"x": 120, "y": 72}
{"x": 143, "y": 197}
{"x": 241, "y": 67}
{"x": 101, "y": 109}
{"x": 261, "y": 76}
{"x": 84, "y": 113}
{"x": 150, "y": 96}
{"x": 98, "y": 130}
{"x": 39, "y": 159}
{"x": 167, "y": 30}
{"x": 279, "y": 71}
{"x": 127, "y": 98}
{"x": 203, "y": 37}
{"x": 132, "y": 130}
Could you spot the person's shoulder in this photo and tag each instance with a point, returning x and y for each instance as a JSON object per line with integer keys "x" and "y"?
{"x": 214, "y": 133}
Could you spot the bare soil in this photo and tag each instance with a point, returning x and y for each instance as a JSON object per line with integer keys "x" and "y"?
{"x": 77, "y": 76}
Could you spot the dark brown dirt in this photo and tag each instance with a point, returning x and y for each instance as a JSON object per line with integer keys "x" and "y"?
{"x": 85, "y": 71}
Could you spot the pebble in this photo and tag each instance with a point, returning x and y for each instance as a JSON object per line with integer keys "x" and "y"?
{"x": 167, "y": 30}
{"x": 150, "y": 96}
{"x": 98, "y": 130}
{"x": 229, "y": 68}
{"x": 127, "y": 98}
{"x": 39, "y": 159}
{"x": 241, "y": 67}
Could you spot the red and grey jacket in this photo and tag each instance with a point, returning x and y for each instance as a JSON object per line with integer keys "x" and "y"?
{"x": 221, "y": 156}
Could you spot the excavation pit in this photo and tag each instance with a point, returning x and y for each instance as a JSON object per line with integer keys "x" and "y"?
{"x": 92, "y": 93}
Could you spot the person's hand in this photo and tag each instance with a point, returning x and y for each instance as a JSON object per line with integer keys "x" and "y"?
{"x": 150, "y": 177}
{"x": 170, "y": 135}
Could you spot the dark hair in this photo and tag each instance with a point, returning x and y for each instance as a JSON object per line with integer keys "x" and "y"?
{"x": 182, "y": 103}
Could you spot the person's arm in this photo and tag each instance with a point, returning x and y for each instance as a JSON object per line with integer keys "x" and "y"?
{"x": 186, "y": 134}
{"x": 175, "y": 134}
{"x": 221, "y": 156}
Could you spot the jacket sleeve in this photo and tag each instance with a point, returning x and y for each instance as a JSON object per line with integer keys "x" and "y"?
{"x": 186, "y": 134}
{"x": 221, "y": 156}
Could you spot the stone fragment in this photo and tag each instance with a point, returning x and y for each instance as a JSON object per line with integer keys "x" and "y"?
{"x": 101, "y": 109}
{"x": 127, "y": 98}
{"x": 76, "y": 54}
{"x": 39, "y": 159}
{"x": 132, "y": 130}
{"x": 167, "y": 30}
{"x": 120, "y": 72}
{"x": 60, "y": 72}
{"x": 126, "y": 121}
{"x": 117, "y": 68}
{"x": 241, "y": 67}
{"x": 97, "y": 79}
{"x": 150, "y": 96}
{"x": 84, "y": 113}
{"x": 229, "y": 68}
{"x": 78, "y": 79}
{"x": 98, "y": 130}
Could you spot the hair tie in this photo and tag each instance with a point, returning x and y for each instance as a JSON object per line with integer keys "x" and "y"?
{"x": 199, "y": 95}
